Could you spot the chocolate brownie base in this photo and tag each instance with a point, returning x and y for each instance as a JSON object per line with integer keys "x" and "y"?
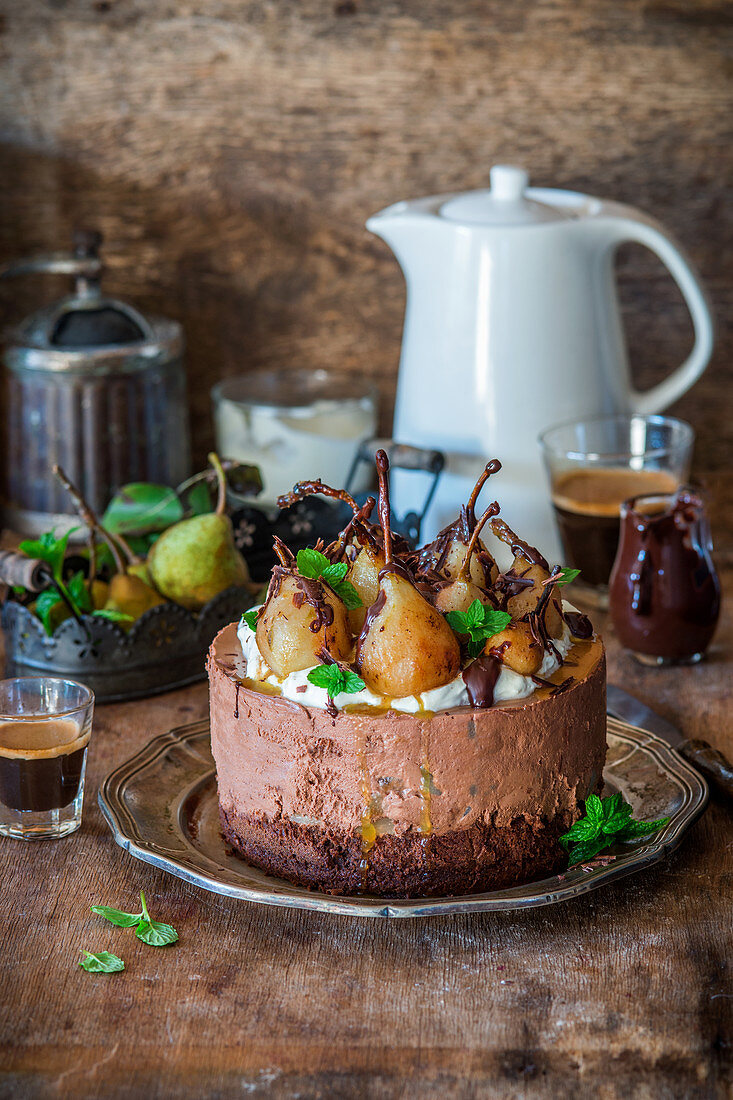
{"x": 468, "y": 861}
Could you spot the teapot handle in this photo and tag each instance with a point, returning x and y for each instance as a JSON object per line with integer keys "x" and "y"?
{"x": 645, "y": 231}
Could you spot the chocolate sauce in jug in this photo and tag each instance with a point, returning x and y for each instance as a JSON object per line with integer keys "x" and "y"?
{"x": 664, "y": 594}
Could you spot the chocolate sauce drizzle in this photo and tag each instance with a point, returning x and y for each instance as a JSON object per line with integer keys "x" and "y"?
{"x": 538, "y": 626}
{"x": 480, "y": 679}
{"x": 518, "y": 546}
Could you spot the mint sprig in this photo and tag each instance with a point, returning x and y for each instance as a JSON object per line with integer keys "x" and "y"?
{"x": 336, "y": 680}
{"x": 480, "y": 623}
{"x": 606, "y": 821}
{"x": 250, "y": 618}
{"x": 101, "y": 962}
{"x": 75, "y": 590}
{"x": 150, "y": 931}
{"x": 316, "y": 566}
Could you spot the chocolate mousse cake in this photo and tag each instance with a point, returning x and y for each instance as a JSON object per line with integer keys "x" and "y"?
{"x": 405, "y": 723}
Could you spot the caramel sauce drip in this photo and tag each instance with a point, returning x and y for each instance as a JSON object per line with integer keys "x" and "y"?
{"x": 367, "y": 829}
{"x": 257, "y": 685}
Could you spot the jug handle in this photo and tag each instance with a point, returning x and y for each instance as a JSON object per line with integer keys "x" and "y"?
{"x": 631, "y": 226}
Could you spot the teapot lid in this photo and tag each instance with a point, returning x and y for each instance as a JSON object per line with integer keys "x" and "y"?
{"x": 505, "y": 203}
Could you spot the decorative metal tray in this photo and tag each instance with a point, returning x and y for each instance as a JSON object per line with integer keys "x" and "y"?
{"x": 161, "y": 806}
{"x": 165, "y": 649}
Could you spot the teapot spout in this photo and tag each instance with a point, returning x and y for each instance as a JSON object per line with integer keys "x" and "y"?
{"x": 406, "y": 227}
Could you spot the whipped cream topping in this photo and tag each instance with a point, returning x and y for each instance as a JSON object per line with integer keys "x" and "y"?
{"x": 509, "y": 685}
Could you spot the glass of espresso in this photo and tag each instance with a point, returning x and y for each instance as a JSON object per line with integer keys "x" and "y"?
{"x": 45, "y": 726}
{"x": 595, "y": 465}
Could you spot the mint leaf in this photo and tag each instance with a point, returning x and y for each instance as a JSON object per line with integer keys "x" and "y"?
{"x": 347, "y": 594}
{"x": 311, "y": 563}
{"x": 316, "y": 566}
{"x": 49, "y": 549}
{"x": 336, "y": 680}
{"x": 113, "y": 616}
{"x": 250, "y": 618}
{"x": 566, "y": 576}
{"x": 153, "y": 932}
{"x": 641, "y": 828}
{"x": 581, "y": 853}
{"x": 335, "y": 572}
{"x": 77, "y": 589}
{"x": 45, "y": 604}
{"x": 594, "y": 810}
{"x": 480, "y": 623}
{"x": 156, "y": 934}
{"x": 581, "y": 831}
{"x": 116, "y": 916}
{"x": 103, "y": 962}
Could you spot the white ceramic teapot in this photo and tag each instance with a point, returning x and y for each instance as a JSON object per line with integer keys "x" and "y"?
{"x": 512, "y": 325}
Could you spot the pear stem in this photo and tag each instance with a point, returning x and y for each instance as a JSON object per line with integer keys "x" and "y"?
{"x": 465, "y": 571}
{"x": 491, "y": 467}
{"x": 221, "y": 499}
{"x": 90, "y": 518}
{"x": 382, "y": 467}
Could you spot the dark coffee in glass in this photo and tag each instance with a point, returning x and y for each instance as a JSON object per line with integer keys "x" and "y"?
{"x": 45, "y": 727}
{"x": 41, "y": 763}
{"x": 596, "y": 464}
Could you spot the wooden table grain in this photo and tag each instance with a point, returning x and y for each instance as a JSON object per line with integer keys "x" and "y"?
{"x": 623, "y": 993}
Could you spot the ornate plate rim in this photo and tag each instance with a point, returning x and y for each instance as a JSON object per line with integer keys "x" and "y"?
{"x": 550, "y": 891}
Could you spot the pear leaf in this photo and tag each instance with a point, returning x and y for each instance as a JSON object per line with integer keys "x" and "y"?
{"x": 142, "y": 507}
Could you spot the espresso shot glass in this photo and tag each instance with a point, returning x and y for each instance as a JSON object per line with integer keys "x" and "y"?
{"x": 594, "y": 465}
{"x": 45, "y": 727}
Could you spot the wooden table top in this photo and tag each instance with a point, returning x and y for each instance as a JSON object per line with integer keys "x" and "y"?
{"x": 624, "y": 992}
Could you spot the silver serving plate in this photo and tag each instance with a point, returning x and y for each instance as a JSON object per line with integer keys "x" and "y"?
{"x": 161, "y": 806}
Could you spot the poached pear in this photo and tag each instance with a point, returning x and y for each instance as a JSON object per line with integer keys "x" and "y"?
{"x": 460, "y": 593}
{"x": 446, "y": 554}
{"x": 300, "y": 618}
{"x": 529, "y": 565}
{"x": 405, "y": 647}
{"x": 196, "y": 558}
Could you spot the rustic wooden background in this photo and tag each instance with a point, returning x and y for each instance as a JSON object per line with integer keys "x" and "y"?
{"x": 231, "y": 151}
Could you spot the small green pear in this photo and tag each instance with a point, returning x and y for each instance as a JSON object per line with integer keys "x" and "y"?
{"x": 196, "y": 558}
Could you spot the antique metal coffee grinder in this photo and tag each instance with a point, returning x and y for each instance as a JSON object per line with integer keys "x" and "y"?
{"x": 93, "y": 385}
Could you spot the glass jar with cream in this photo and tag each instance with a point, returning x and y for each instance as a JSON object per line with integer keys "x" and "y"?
{"x": 288, "y": 422}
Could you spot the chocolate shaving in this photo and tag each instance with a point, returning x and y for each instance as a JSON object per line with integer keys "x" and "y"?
{"x": 579, "y": 625}
{"x": 311, "y": 591}
{"x": 286, "y": 556}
